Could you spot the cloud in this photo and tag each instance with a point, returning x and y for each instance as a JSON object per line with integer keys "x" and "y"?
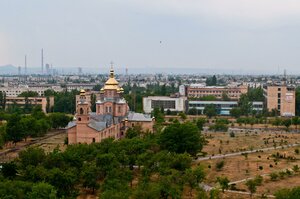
{"x": 249, "y": 11}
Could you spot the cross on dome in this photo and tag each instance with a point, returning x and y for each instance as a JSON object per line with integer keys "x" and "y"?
{"x": 112, "y": 70}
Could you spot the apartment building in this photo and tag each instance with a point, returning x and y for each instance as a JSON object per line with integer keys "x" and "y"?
{"x": 199, "y": 90}
{"x": 281, "y": 98}
{"x": 34, "y": 101}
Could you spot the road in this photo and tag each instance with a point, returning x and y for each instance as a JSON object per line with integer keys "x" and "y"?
{"x": 219, "y": 156}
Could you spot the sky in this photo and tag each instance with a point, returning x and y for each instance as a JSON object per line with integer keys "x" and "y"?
{"x": 246, "y": 36}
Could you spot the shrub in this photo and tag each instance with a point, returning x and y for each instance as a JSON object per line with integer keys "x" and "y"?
{"x": 274, "y": 176}
{"x": 288, "y": 172}
{"x": 296, "y": 168}
{"x": 220, "y": 165}
{"x": 258, "y": 180}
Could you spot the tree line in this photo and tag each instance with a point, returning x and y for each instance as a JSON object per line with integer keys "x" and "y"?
{"x": 142, "y": 165}
{"x": 21, "y": 126}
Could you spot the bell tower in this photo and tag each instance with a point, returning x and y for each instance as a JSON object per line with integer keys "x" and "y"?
{"x": 82, "y": 109}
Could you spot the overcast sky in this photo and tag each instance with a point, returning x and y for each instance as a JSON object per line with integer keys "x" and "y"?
{"x": 241, "y": 35}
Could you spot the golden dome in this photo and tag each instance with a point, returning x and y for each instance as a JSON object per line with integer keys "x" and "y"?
{"x": 111, "y": 83}
{"x": 82, "y": 92}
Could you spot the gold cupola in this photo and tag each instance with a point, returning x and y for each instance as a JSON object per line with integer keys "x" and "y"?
{"x": 111, "y": 83}
{"x": 82, "y": 92}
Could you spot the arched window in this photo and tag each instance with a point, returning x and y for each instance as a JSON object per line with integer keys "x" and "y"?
{"x": 79, "y": 119}
{"x": 81, "y": 111}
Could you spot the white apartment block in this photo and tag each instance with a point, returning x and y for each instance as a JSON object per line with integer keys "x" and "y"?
{"x": 167, "y": 103}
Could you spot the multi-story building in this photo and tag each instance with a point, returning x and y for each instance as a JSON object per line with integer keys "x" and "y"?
{"x": 222, "y": 107}
{"x": 111, "y": 119}
{"x": 281, "y": 98}
{"x": 15, "y": 91}
{"x": 44, "y": 102}
{"x": 174, "y": 104}
{"x": 198, "y": 91}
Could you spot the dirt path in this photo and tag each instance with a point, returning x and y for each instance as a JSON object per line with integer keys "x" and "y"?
{"x": 10, "y": 153}
{"x": 243, "y": 152}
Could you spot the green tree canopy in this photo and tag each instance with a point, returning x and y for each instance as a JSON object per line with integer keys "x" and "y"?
{"x": 181, "y": 138}
{"x": 210, "y": 110}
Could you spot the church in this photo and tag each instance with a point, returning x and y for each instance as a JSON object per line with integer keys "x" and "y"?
{"x": 111, "y": 119}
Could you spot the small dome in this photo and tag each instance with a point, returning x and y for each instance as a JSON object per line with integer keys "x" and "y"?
{"x": 111, "y": 83}
{"x": 82, "y": 92}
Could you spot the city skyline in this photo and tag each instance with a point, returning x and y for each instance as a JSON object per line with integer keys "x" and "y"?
{"x": 240, "y": 36}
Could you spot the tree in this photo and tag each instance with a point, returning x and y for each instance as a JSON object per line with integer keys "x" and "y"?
{"x": 90, "y": 175}
{"x": 236, "y": 112}
{"x": 181, "y": 138}
{"x": 223, "y": 182}
{"x": 245, "y": 104}
{"x": 220, "y": 165}
{"x": 287, "y": 123}
{"x": 2, "y": 100}
{"x": 256, "y": 94}
{"x": 147, "y": 191}
{"x": 14, "y": 189}
{"x": 211, "y": 81}
{"x": 63, "y": 181}
{"x": 93, "y": 102}
{"x": 14, "y": 129}
{"x": 298, "y": 101}
{"x": 208, "y": 98}
{"x": 59, "y": 120}
{"x": 133, "y": 132}
{"x": 27, "y": 123}
{"x": 42, "y": 190}
{"x": 193, "y": 111}
{"x": 210, "y": 110}
{"x": 288, "y": 193}
{"x": 296, "y": 122}
{"x": 29, "y": 94}
{"x": 191, "y": 180}
{"x": 159, "y": 117}
{"x": 106, "y": 163}
{"x": 214, "y": 194}
{"x": 3, "y": 135}
{"x": 200, "y": 123}
{"x": 258, "y": 180}
{"x": 31, "y": 156}
{"x": 9, "y": 170}
{"x": 251, "y": 184}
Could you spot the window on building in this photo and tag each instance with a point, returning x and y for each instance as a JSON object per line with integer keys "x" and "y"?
{"x": 166, "y": 104}
{"x": 79, "y": 119}
{"x": 119, "y": 109}
{"x": 81, "y": 111}
{"x": 94, "y": 140}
